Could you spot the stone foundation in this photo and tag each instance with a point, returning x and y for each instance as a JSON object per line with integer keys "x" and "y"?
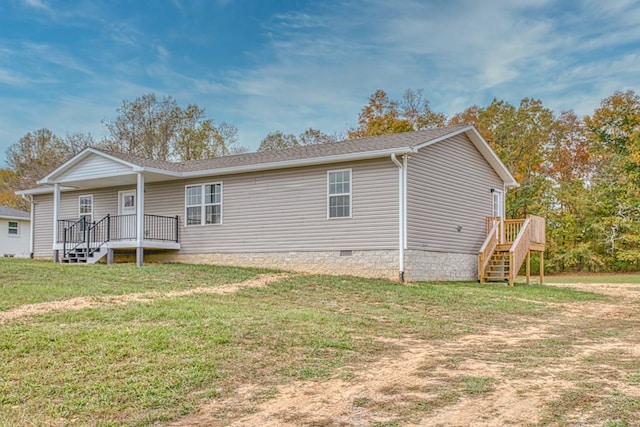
{"x": 378, "y": 264}
{"x": 440, "y": 266}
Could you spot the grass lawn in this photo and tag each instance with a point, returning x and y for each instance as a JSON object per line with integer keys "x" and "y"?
{"x": 630, "y": 278}
{"x": 145, "y": 363}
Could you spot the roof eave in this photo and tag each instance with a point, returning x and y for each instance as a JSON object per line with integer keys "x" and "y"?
{"x": 19, "y": 218}
{"x": 299, "y": 162}
{"x": 44, "y": 190}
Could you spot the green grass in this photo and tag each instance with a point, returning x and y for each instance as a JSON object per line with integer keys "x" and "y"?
{"x": 147, "y": 362}
{"x": 630, "y": 278}
{"x": 30, "y": 281}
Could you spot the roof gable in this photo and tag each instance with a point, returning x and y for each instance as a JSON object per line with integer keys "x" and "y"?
{"x": 483, "y": 147}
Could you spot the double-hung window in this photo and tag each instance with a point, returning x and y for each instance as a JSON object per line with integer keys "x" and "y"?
{"x": 85, "y": 208}
{"x": 339, "y": 193}
{"x": 203, "y": 204}
{"x": 14, "y": 229}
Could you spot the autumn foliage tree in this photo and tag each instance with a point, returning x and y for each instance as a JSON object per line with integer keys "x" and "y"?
{"x": 279, "y": 141}
{"x": 614, "y": 129}
{"x": 161, "y": 129}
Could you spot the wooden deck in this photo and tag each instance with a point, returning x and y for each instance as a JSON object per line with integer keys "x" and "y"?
{"x": 508, "y": 245}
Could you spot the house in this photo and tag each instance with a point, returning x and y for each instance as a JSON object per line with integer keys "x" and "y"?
{"x": 15, "y": 233}
{"x": 410, "y": 206}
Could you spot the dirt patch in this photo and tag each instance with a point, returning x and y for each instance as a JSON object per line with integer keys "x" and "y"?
{"x": 500, "y": 377}
{"x": 81, "y": 303}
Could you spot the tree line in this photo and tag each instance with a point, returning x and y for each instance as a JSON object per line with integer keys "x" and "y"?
{"x": 581, "y": 173}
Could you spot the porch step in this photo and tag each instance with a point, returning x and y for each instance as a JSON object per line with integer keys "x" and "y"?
{"x": 82, "y": 256}
{"x": 498, "y": 267}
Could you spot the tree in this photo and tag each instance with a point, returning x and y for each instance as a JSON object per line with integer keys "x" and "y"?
{"x": 415, "y": 108}
{"x": 8, "y": 185}
{"x": 614, "y": 129}
{"x": 569, "y": 167}
{"x": 278, "y": 141}
{"x": 380, "y": 116}
{"x": 313, "y": 136}
{"x": 520, "y": 137}
{"x": 35, "y": 155}
{"x": 77, "y": 142}
{"x": 161, "y": 129}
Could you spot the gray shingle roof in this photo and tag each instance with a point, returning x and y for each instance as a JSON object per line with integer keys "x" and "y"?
{"x": 6, "y": 211}
{"x": 352, "y": 146}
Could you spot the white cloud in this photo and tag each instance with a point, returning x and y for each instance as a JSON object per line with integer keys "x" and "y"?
{"x": 36, "y": 4}
{"x": 316, "y": 65}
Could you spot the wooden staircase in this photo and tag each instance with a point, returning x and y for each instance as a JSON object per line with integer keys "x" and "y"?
{"x": 498, "y": 267}
{"x": 508, "y": 245}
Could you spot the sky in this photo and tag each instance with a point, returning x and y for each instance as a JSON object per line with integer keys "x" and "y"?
{"x": 264, "y": 65}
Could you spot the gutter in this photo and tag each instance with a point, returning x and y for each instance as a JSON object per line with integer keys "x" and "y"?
{"x": 31, "y": 222}
{"x": 402, "y": 211}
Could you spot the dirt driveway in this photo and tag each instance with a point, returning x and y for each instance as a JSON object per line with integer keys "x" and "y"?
{"x": 578, "y": 367}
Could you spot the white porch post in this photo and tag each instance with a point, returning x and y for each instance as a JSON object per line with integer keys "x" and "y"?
{"x": 56, "y": 215}
{"x": 140, "y": 219}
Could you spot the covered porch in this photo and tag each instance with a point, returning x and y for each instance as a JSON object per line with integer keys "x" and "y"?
{"x": 79, "y": 240}
{"x": 103, "y": 225}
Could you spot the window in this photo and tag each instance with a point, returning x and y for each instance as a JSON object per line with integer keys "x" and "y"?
{"x": 13, "y": 228}
{"x": 203, "y": 204}
{"x": 339, "y": 193}
{"x": 497, "y": 203}
{"x": 85, "y": 207}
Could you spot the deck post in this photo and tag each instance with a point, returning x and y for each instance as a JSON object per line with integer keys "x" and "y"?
{"x": 541, "y": 267}
{"x": 139, "y": 256}
{"x": 110, "y": 256}
{"x": 528, "y": 266}
{"x": 140, "y": 219}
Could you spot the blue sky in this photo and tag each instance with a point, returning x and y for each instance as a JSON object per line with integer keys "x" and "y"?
{"x": 288, "y": 65}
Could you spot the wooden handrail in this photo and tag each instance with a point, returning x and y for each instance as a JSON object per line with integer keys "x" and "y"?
{"x": 519, "y": 250}
{"x": 487, "y": 249}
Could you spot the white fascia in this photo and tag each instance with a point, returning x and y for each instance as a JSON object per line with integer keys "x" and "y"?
{"x": 297, "y": 163}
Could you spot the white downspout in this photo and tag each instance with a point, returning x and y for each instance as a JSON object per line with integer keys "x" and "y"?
{"x": 405, "y": 171}
{"x": 401, "y": 214}
{"x": 32, "y": 222}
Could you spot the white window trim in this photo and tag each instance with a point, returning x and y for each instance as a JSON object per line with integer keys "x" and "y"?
{"x": 340, "y": 194}
{"x": 80, "y": 214}
{"x": 203, "y": 204}
{"x": 17, "y": 228}
{"x": 500, "y": 195}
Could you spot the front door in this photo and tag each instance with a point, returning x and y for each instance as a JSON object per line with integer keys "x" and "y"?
{"x": 126, "y": 215}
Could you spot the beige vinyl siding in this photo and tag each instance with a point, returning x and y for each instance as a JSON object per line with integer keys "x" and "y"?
{"x": 105, "y": 201}
{"x": 449, "y": 185}
{"x": 281, "y": 210}
{"x": 94, "y": 166}
{"x": 43, "y": 225}
{"x": 286, "y": 210}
